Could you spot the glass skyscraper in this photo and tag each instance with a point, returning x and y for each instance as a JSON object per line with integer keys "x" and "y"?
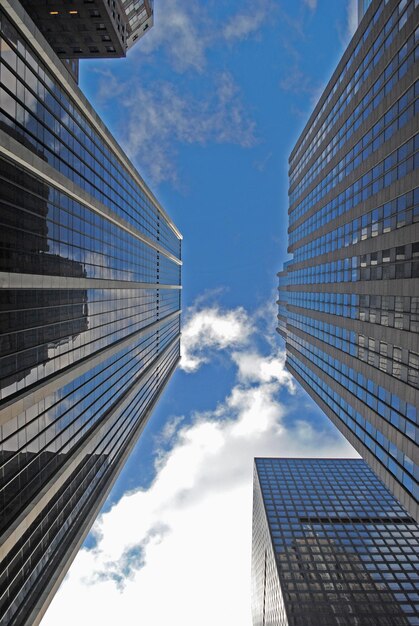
{"x": 89, "y": 315}
{"x": 349, "y": 297}
{"x": 331, "y": 547}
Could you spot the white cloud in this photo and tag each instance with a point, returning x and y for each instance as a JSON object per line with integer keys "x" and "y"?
{"x": 179, "y": 551}
{"x": 180, "y": 30}
{"x": 161, "y": 116}
{"x": 253, "y": 367}
{"x": 186, "y": 31}
{"x": 297, "y": 82}
{"x": 210, "y": 329}
{"x": 312, "y": 4}
{"x": 248, "y": 21}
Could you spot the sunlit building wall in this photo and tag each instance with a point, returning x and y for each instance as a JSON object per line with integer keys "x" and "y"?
{"x": 89, "y": 315}
{"x": 330, "y": 546}
{"x": 349, "y": 297}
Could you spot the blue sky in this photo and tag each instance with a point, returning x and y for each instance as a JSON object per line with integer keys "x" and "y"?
{"x": 208, "y": 106}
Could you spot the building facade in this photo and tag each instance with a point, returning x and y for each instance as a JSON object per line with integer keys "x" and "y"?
{"x": 330, "y": 546}
{"x": 362, "y": 7}
{"x": 89, "y": 315}
{"x": 349, "y": 297}
{"x": 79, "y": 29}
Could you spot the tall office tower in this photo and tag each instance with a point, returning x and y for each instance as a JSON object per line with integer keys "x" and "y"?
{"x": 349, "y": 298}
{"x": 79, "y": 29}
{"x": 89, "y": 315}
{"x": 330, "y": 546}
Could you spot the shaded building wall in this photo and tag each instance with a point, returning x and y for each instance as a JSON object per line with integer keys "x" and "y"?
{"x": 93, "y": 29}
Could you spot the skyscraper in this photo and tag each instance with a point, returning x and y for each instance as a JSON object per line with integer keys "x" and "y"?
{"x": 349, "y": 297}
{"x": 89, "y": 315}
{"x": 91, "y": 28}
{"x": 331, "y": 546}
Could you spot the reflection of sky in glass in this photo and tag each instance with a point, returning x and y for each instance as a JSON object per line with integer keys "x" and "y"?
{"x": 71, "y": 145}
{"x": 94, "y": 336}
{"x": 111, "y": 436}
{"x": 106, "y": 317}
{"x": 80, "y": 244}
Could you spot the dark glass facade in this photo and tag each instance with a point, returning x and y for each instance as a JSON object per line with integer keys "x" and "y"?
{"x": 331, "y": 546}
{"x": 349, "y": 297}
{"x": 89, "y": 315}
{"x": 80, "y": 29}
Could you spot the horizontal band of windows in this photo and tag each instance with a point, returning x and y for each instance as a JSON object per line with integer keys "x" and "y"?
{"x": 30, "y": 164}
{"x": 360, "y": 317}
{"x": 393, "y": 287}
{"x": 15, "y": 404}
{"x": 357, "y": 520}
{"x": 25, "y": 470}
{"x": 60, "y": 519}
{"x": 15, "y": 280}
{"x": 61, "y": 345}
{"x": 78, "y": 114}
{"x": 399, "y": 262}
{"x": 401, "y": 363}
{"x": 100, "y": 434}
{"x": 398, "y": 213}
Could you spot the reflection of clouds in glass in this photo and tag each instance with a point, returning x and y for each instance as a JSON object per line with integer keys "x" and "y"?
{"x": 59, "y": 416}
{"x": 119, "y": 312}
{"x": 103, "y": 259}
{"x": 106, "y": 316}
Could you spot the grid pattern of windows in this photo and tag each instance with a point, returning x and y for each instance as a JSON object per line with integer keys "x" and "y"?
{"x": 49, "y": 221}
{"x": 346, "y": 551}
{"x": 396, "y": 166}
{"x": 36, "y": 341}
{"x": 59, "y": 521}
{"x": 348, "y": 298}
{"x": 400, "y": 363}
{"x": 400, "y": 312}
{"x": 36, "y": 109}
{"x": 267, "y": 601}
{"x": 402, "y": 211}
{"x": 401, "y": 466}
{"x": 396, "y": 118}
{"x": 389, "y": 264}
{"x": 395, "y": 17}
{"x": 90, "y": 267}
